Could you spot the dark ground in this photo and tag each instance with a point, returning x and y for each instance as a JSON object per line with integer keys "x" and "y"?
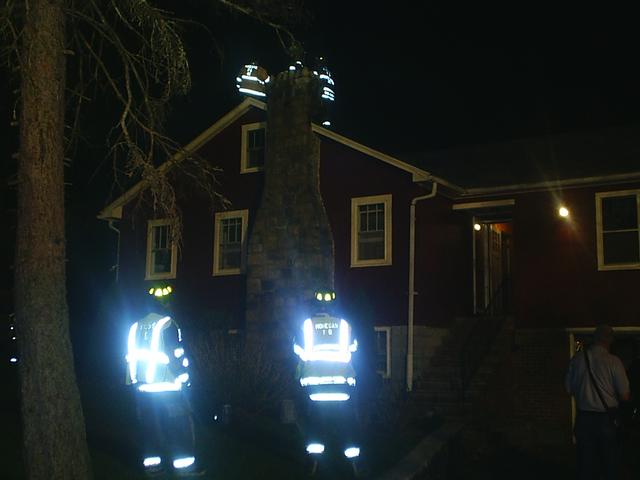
{"x": 481, "y": 453}
{"x": 251, "y": 447}
{"x": 260, "y": 447}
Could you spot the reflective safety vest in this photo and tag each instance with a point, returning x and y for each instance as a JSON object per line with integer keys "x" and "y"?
{"x": 252, "y": 80}
{"x": 328, "y": 85}
{"x": 326, "y": 354}
{"x": 155, "y": 355}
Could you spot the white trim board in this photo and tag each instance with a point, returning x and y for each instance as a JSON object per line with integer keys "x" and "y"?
{"x": 602, "y": 267}
{"x": 387, "y": 201}
{"x": 387, "y": 329}
{"x": 487, "y": 204}
{"x": 418, "y": 174}
{"x": 243, "y": 215}
{"x": 114, "y": 209}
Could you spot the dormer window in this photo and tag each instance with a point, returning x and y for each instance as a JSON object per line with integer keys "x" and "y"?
{"x": 253, "y": 147}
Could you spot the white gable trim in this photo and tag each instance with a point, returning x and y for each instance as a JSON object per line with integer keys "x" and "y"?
{"x": 114, "y": 209}
{"x": 418, "y": 174}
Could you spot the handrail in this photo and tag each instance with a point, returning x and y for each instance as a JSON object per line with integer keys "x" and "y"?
{"x": 500, "y": 302}
{"x": 481, "y": 336}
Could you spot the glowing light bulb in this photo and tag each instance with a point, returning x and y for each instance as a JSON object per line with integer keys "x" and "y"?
{"x": 477, "y": 227}
{"x": 563, "y": 212}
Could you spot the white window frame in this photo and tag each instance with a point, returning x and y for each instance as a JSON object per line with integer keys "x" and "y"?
{"x": 244, "y": 215}
{"x": 149, "y": 274}
{"x": 599, "y": 229}
{"x": 385, "y": 373}
{"x": 355, "y": 227}
{"x": 244, "y": 158}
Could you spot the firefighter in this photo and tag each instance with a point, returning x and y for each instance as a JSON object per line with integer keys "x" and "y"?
{"x": 327, "y": 93}
{"x": 252, "y": 80}
{"x": 158, "y": 371}
{"x": 328, "y": 381}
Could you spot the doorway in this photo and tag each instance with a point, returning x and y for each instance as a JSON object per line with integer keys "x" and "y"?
{"x": 493, "y": 262}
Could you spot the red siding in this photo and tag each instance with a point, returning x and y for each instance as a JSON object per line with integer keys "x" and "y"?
{"x": 556, "y": 277}
{"x": 198, "y": 292}
{"x": 444, "y": 263}
{"x": 344, "y": 174}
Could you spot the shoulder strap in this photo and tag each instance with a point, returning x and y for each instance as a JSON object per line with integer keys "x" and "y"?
{"x": 593, "y": 380}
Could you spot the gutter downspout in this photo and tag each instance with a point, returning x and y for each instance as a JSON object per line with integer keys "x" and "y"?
{"x": 412, "y": 268}
{"x": 116, "y": 267}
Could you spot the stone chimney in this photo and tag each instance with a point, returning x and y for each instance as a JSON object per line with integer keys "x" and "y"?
{"x": 290, "y": 251}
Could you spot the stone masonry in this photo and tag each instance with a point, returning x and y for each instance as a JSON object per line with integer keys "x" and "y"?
{"x": 290, "y": 251}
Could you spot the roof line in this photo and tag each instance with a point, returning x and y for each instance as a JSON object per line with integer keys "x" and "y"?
{"x": 551, "y": 184}
{"x": 114, "y": 209}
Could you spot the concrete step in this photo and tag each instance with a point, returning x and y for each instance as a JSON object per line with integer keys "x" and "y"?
{"x": 438, "y": 385}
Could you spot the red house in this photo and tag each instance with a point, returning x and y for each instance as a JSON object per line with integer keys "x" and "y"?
{"x": 433, "y": 260}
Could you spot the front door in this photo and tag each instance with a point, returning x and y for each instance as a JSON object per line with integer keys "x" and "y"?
{"x": 492, "y": 270}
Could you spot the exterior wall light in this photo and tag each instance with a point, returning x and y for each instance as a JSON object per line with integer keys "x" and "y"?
{"x": 477, "y": 227}
{"x": 563, "y": 212}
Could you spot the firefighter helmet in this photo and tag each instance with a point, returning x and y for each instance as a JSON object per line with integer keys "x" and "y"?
{"x": 324, "y": 295}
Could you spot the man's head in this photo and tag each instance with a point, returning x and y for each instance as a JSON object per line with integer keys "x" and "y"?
{"x": 603, "y": 335}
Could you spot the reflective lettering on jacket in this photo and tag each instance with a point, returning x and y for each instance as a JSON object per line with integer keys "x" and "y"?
{"x": 326, "y": 339}
{"x": 153, "y": 364}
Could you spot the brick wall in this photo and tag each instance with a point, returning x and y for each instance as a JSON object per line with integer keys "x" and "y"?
{"x": 526, "y": 398}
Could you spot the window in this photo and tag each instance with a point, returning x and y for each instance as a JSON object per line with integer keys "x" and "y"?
{"x": 253, "y": 147}
{"x": 161, "y": 251}
{"x": 618, "y": 230}
{"x": 229, "y": 250}
{"x": 383, "y": 351}
{"x": 371, "y": 231}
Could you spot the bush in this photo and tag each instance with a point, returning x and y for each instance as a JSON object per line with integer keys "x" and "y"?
{"x": 249, "y": 379}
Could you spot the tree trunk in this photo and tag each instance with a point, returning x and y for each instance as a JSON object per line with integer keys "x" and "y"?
{"x": 55, "y": 444}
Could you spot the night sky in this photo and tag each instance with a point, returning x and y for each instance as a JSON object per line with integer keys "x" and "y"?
{"x": 438, "y": 77}
{"x": 412, "y": 78}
